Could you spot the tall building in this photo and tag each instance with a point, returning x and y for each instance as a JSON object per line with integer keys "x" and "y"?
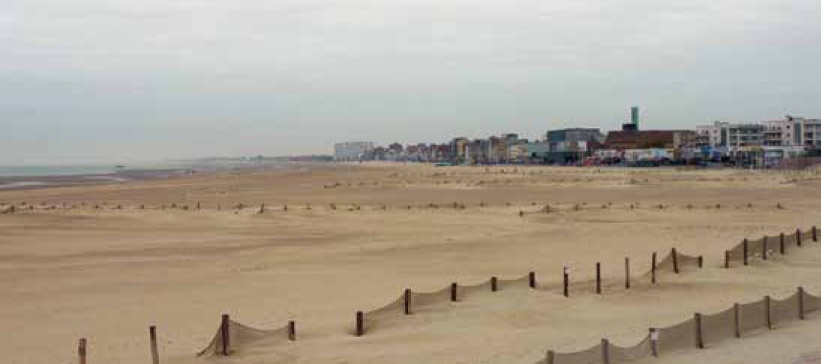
{"x": 634, "y": 116}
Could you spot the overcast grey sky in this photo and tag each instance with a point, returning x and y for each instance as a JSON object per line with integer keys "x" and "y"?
{"x": 116, "y": 80}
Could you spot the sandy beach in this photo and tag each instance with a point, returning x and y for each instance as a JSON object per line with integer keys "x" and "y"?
{"x": 105, "y": 262}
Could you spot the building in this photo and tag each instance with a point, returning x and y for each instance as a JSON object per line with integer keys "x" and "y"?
{"x": 575, "y": 135}
{"x": 730, "y": 135}
{"x": 351, "y": 151}
{"x": 646, "y": 139}
{"x": 793, "y": 132}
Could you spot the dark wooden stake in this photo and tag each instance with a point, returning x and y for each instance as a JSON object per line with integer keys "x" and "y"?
{"x": 292, "y": 330}
{"x": 798, "y": 237}
{"x": 745, "y": 250}
{"x": 225, "y": 331}
{"x": 767, "y": 314}
{"x": 781, "y": 238}
{"x": 494, "y": 284}
{"x": 566, "y": 282}
{"x": 453, "y": 294}
{"x": 407, "y": 301}
{"x": 81, "y": 350}
{"x": 726, "y": 259}
{"x": 764, "y": 248}
{"x": 360, "y": 323}
{"x": 605, "y": 351}
{"x": 800, "y": 303}
{"x": 675, "y": 260}
{"x": 152, "y": 335}
{"x": 736, "y": 320}
{"x": 814, "y": 236}
{"x": 550, "y": 355}
{"x": 699, "y": 337}
{"x": 653, "y": 270}
{"x": 654, "y": 342}
{"x": 598, "y": 278}
{"x": 626, "y": 273}
{"x": 700, "y": 261}
{"x": 531, "y": 279}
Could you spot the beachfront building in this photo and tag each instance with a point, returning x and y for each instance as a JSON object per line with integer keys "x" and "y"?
{"x": 732, "y": 135}
{"x": 575, "y": 135}
{"x": 351, "y": 151}
{"x": 793, "y": 131}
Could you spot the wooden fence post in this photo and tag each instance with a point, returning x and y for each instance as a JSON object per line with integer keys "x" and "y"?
{"x": 814, "y": 235}
{"x": 152, "y": 335}
{"x": 598, "y": 278}
{"x": 737, "y": 320}
{"x": 700, "y": 261}
{"x": 292, "y": 330}
{"x": 654, "y": 339}
{"x": 550, "y": 356}
{"x": 81, "y": 350}
{"x": 225, "y": 332}
{"x": 675, "y": 260}
{"x": 726, "y": 259}
{"x": 453, "y": 294}
{"x": 531, "y": 279}
{"x": 605, "y": 351}
{"x": 653, "y": 270}
{"x": 800, "y": 303}
{"x": 626, "y": 273}
{"x": 744, "y": 245}
{"x": 781, "y": 238}
{"x": 764, "y": 248}
{"x": 566, "y": 281}
{"x": 494, "y": 284}
{"x": 798, "y": 237}
{"x": 767, "y": 312}
{"x": 360, "y": 323}
{"x": 407, "y": 301}
{"x": 699, "y": 336}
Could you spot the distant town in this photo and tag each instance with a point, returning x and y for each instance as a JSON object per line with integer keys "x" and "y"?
{"x": 765, "y": 144}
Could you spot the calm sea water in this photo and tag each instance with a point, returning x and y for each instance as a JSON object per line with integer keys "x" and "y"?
{"x": 65, "y": 170}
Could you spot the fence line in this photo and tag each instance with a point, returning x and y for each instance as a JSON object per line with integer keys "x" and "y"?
{"x": 699, "y": 332}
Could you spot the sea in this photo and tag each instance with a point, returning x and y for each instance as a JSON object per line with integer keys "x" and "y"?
{"x": 62, "y": 170}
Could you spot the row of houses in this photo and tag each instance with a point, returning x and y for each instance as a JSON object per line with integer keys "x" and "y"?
{"x": 760, "y": 144}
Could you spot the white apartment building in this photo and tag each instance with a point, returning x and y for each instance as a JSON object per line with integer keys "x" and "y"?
{"x": 731, "y": 135}
{"x": 351, "y": 151}
{"x": 796, "y": 132}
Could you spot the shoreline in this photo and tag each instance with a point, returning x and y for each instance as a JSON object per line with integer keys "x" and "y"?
{"x": 17, "y": 183}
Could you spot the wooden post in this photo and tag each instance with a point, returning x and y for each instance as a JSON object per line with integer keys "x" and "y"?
{"x": 626, "y": 273}
{"x": 360, "y": 323}
{"x": 653, "y": 270}
{"x": 814, "y": 235}
{"x": 700, "y": 261}
{"x": 605, "y": 351}
{"x": 152, "y": 335}
{"x": 767, "y": 314}
{"x": 798, "y": 237}
{"x": 494, "y": 284}
{"x": 407, "y": 301}
{"x": 598, "y": 278}
{"x": 225, "y": 331}
{"x": 453, "y": 294}
{"x": 699, "y": 337}
{"x": 81, "y": 350}
{"x": 550, "y": 356}
{"x": 654, "y": 339}
{"x": 566, "y": 281}
{"x": 675, "y": 260}
{"x": 800, "y": 303}
{"x": 726, "y": 259}
{"x": 764, "y": 248}
{"x": 531, "y": 279}
{"x": 745, "y": 250}
{"x": 736, "y": 320}
{"x": 781, "y": 238}
{"x": 292, "y": 330}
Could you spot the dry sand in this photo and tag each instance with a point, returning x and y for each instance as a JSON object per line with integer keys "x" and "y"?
{"x": 108, "y": 273}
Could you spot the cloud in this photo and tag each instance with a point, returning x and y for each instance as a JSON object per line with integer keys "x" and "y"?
{"x": 160, "y": 79}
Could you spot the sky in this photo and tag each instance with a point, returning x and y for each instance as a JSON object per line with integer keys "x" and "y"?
{"x": 110, "y": 81}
